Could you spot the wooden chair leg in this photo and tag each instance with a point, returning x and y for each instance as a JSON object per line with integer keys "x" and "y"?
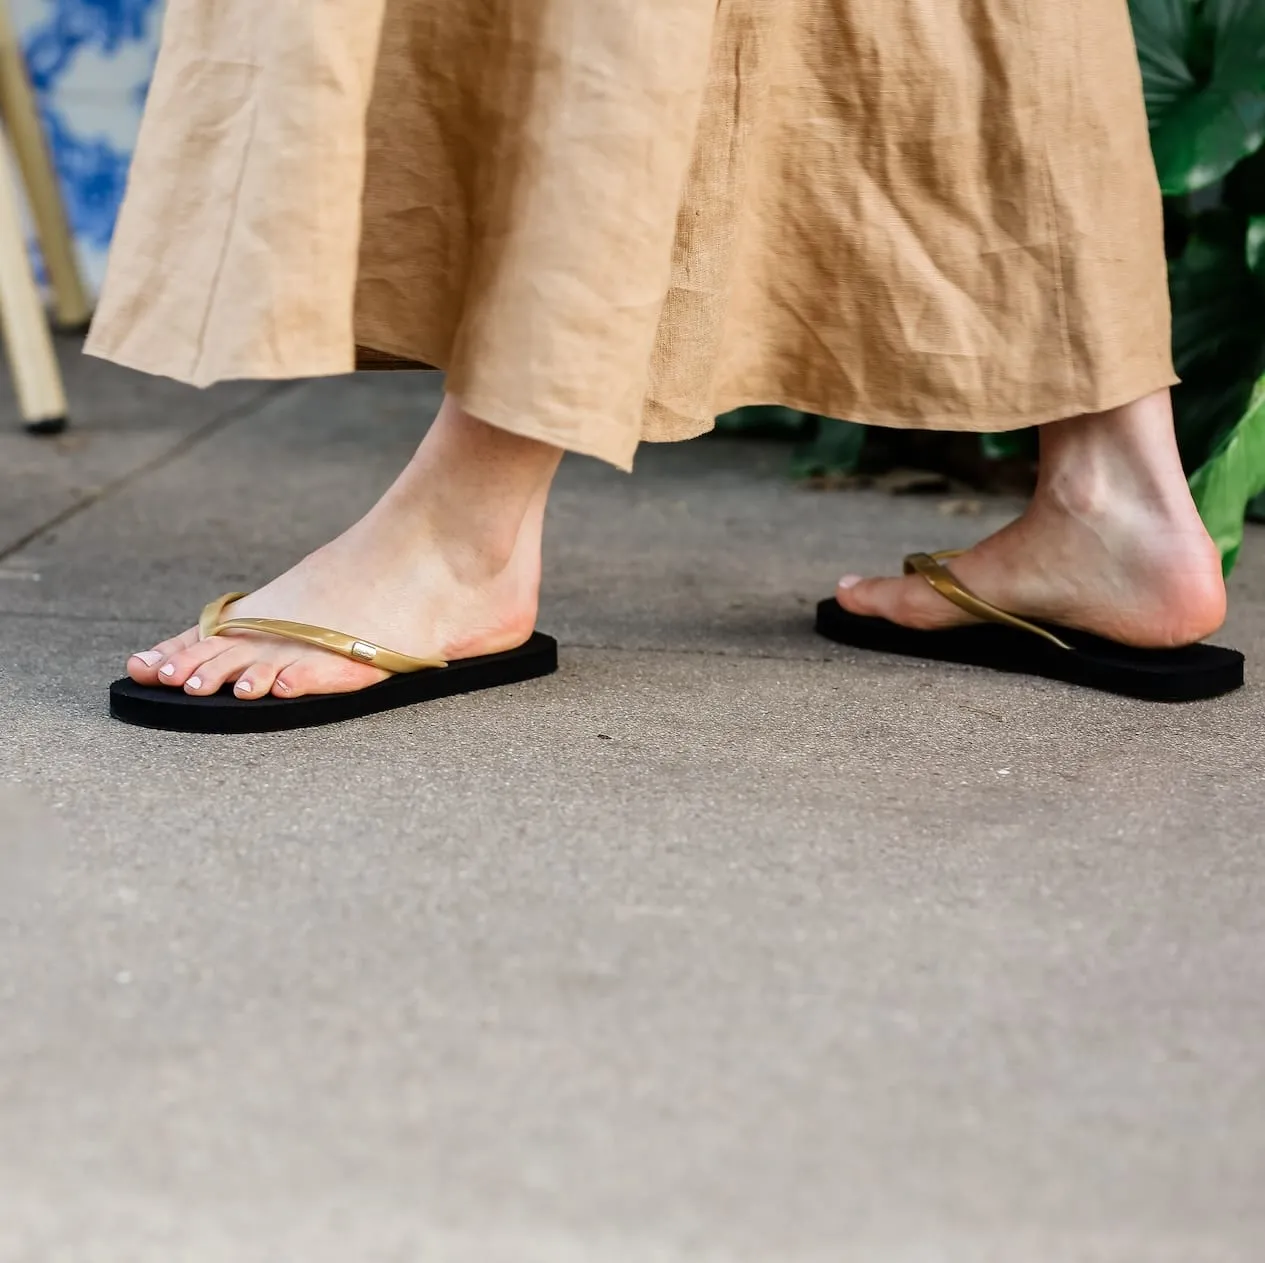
{"x": 21, "y": 120}
{"x": 32, "y": 358}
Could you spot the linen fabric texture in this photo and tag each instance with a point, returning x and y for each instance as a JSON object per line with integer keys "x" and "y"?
{"x": 613, "y": 220}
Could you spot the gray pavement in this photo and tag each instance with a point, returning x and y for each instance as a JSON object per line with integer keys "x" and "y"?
{"x": 722, "y": 946}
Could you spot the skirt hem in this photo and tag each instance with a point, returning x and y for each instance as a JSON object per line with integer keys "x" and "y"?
{"x": 621, "y": 455}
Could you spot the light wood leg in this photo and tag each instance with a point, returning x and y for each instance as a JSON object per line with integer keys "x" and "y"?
{"x": 21, "y": 120}
{"x": 33, "y": 362}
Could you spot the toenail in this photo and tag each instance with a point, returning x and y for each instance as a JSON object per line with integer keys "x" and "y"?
{"x": 243, "y": 686}
{"x": 151, "y": 657}
{"x": 849, "y": 581}
{"x": 283, "y": 686}
{"x": 195, "y": 683}
{"x": 169, "y": 669}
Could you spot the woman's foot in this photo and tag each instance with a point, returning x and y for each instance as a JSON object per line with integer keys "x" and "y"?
{"x": 446, "y": 565}
{"x": 1112, "y": 543}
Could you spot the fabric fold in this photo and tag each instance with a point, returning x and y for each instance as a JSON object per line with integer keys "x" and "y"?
{"x": 610, "y": 221}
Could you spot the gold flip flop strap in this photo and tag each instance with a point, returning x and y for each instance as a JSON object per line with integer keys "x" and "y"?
{"x": 213, "y": 623}
{"x": 932, "y": 568}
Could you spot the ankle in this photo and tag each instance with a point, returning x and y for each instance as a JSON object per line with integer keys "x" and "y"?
{"x": 1080, "y": 489}
{"x": 1119, "y": 463}
{"x": 478, "y": 534}
{"x": 476, "y": 493}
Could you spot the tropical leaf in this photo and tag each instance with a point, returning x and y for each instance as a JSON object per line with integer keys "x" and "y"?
{"x": 1218, "y": 335}
{"x": 1164, "y": 30}
{"x": 1232, "y": 478}
{"x": 1256, "y": 245}
{"x": 1204, "y": 64}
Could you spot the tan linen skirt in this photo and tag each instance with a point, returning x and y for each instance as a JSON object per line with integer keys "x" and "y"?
{"x": 611, "y": 220}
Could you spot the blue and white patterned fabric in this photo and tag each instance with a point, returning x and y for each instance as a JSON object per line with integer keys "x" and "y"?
{"x": 91, "y": 62}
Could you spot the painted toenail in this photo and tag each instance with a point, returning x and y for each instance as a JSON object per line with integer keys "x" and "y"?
{"x": 243, "y": 686}
{"x": 849, "y": 581}
{"x": 168, "y": 670}
{"x": 283, "y": 686}
{"x": 195, "y": 683}
{"x": 151, "y": 657}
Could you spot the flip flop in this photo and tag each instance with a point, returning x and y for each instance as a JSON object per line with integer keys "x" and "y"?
{"x": 1007, "y": 643}
{"x": 412, "y": 680}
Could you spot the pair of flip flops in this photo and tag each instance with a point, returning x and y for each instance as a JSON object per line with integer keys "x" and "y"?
{"x": 998, "y": 640}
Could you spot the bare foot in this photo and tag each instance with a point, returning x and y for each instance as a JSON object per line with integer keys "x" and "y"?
{"x": 1112, "y": 544}
{"x": 447, "y": 565}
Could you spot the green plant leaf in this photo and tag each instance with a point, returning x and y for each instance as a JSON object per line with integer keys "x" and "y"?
{"x": 835, "y": 451}
{"x": 1164, "y": 30}
{"x": 1232, "y": 478}
{"x": 1256, "y": 245}
{"x": 1207, "y": 112}
{"x": 1218, "y": 334}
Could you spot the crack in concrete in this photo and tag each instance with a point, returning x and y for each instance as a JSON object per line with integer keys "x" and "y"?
{"x": 99, "y": 494}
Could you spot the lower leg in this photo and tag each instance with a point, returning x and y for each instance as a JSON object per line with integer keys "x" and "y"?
{"x": 447, "y": 564}
{"x": 1112, "y": 542}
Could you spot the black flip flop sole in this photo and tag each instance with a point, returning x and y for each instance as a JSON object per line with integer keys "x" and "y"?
{"x": 173, "y": 710}
{"x": 1192, "y": 674}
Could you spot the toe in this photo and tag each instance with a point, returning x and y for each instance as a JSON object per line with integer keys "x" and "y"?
{"x": 144, "y": 667}
{"x": 319, "y": 672}
{"x": 181, "y": 667}
{"x": 271, "y": 658}
{"x": 910, "y": 602}
{"x": 871, "y": 598}
{"x": 211, "y": 676}
{"x": 257, "y": 679}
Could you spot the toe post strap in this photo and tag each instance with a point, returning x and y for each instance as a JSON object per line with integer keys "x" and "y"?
{"x": 214, "y": 623}
{"x": 213, "y": 614}
{"x": 931, "y": 567}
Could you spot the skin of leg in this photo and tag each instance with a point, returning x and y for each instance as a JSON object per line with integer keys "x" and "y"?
{"x": 1112, "y": 542}
{"x": 446, "y": 564}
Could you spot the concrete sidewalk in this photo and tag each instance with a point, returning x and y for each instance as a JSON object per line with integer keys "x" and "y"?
{"x": 721, "y": 946}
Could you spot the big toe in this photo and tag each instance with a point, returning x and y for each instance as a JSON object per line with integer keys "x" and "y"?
{"x": 907, "y": 601}
{"x": 143, "y": 667}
